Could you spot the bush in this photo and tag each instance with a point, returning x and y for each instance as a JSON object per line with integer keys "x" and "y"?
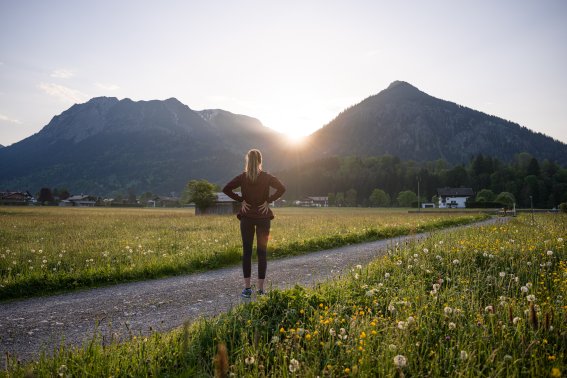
{"x": 563, "y": 207}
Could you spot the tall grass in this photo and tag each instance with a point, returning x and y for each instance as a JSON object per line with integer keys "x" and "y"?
{"x": 44, "y": 250}
{"x": 478, "y": 302}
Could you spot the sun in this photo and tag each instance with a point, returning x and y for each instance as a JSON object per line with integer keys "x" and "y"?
{"x": 295, "y": 138}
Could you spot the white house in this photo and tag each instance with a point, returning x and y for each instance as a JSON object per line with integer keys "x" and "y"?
{"x": 454, "y": 197}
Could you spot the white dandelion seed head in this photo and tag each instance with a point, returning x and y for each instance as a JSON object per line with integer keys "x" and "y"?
{"x": 359, "y": 266}
{"x": 516, "y": 320}
{"x": 464, "y": 355}
{"x": 531, "y": 298}
{"x": 489, "y": 309}
{"x": 456, "y": 262}
{"x": 392, "y": 347}
{"x": 452, "y": 325}
{"x": 448, "y": 310}
{"x": 249, "y": 360}
{"x": 411, "y": 320}
{"x": 293, "y": 365}
{"x": 524, "y": 289}
{"x": 387, "y": 275}
{"x": 400, "y": 361}
{"x": 549, "y": 253}
{"x": 529, "y": 285}
{"x": 502, "y": 274}
{"x": 332, "y": 332}
{"x": 402, "y": 325}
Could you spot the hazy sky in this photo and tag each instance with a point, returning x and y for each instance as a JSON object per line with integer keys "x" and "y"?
{"x": 292, "y": 64}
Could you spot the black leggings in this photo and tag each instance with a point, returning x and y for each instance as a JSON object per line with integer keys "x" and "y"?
{"x": 247, "y": 228}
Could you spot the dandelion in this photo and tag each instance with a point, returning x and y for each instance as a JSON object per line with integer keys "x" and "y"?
{"x": 524, "y": 289}
{"x": 489, "y": 309}
{"x": 402, "y": 325}
{"x": 387, "y": 275}
{"x": 400, "y": 361}
{"x": 456, "y": 262}
{"x": 550, "y": 253}
{"x": 529, "y": 285}
{"x": 560, "y": 240}
{"x": 333, "y": 332}
{"x": 293, "y": 365}
{"x": 370, "y": 293}
{"x": 411, "y": 320}
{"x": 425, "y": 250}
{"x": 359, "y": 266}
{"x": 452, "y": 325}
{"x": 502, "y": 274}
{"x": 436, "y": 286}
{"x": 392, "y": 347}
{"x": 555, "y": 372}
{"x": 356, "y": 276}
{"x": 249, "y": 360}
{"x": 391, "y": 308}
{"x": 531, "y": 298}
{"x": 464, "y": 355}
{"x": 448, "y": 310}
{"x": 275, "y": 339}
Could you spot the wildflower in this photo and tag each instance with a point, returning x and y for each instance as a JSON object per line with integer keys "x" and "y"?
{"x": 550, "y": 253}
{"x": 529, "y": 285}
{"x": 333, "y": 332}
{"x": 464, "y": 355}
{"x": 524, "y": 289}
{"x": 387, "y": 275}
{"x": 448, "y": 310}
{"x": 359, "y": 266}
{"x": 402, "y": 325}
{"x": 249, "y": 360}
{"x": 293, "y": 365}
{"x": 559, "y": 240}
{"x": 356, "y": 276}
{"x": 555, "y": 372}
{"x": 502, "y": 274}
{"x": 400, "y": 361}
{"x": 456, "y": 262}
{"x": 282, "y": 330}
{"x": 531, "y": 298}
{"x": 489, "y": 309}
{"x": 425, "y": 250}
{"x": 347, "y": 370}
{"x": 452, "y": 325}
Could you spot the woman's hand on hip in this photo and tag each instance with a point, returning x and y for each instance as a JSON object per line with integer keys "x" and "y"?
{"x": 245, "y": 206}
{"x": 264, "y": 208}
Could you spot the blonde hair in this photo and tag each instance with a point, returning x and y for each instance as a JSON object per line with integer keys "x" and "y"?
{"x": 253, "y": 164}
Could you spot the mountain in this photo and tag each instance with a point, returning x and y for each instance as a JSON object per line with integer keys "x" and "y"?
{"x": 107, "y": 145}
{"x": 406, "y": 122}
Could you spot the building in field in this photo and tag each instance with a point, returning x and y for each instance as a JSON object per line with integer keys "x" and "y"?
{"x": 80, "y": 200}
{"x": 454, "y": 198}
{"x": 223, "y": 205}
{"x": 313, "y": 202}
{"x": 16, "y": 198}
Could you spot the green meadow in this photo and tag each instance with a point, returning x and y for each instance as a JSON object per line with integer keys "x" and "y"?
{"x": 477, "y": 302}
{"x": 45, "y": 250}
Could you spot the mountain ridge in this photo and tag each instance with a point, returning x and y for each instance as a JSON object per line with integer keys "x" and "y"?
{"x": 108, "y": 145}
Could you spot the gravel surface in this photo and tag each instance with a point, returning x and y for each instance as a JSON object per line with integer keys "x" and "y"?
{"x": 30, "y": 326}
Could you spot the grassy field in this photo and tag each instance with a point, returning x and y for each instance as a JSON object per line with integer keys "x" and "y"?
{"x": 44, "y": 250}
{"x": 477, "y": 302}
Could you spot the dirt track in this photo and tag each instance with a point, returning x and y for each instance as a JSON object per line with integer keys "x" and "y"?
{"x": 31, "y": 325}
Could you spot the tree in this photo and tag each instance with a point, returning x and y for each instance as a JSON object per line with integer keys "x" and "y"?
{"x": 45, "y": 195}
{"x": 485, "y": 195}
{"x": 379, "y": 198}
{"x": 350, "y": 198}
{"x": 339, "y": 199}
{"x": 331, "y": 199}
{"x": 406, "y": 198}
{"x": 505, "y": 198}
{"x": 201, "y": 193}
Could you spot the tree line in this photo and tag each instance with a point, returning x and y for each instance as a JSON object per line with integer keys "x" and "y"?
{"x": 377, "y": 181}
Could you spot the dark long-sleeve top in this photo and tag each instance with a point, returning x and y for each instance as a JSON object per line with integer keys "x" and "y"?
{"x": 255, "y": 193}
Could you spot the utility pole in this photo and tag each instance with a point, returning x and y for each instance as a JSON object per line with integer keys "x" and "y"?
{"x": 418, "y": 205}
{"x": 532, "y": 205}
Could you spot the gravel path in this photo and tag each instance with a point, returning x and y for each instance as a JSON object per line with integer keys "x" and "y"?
{"x": 29, "y": 326}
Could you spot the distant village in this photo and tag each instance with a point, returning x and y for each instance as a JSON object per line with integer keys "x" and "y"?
{"x": 446, "y": 198}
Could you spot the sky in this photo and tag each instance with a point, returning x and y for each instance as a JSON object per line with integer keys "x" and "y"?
{"x": 294, "y": 65}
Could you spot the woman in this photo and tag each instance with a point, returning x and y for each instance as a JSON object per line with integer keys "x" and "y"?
{"x": 255, "y": 214}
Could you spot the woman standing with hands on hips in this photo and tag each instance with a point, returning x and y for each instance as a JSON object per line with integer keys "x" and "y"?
{"x": 255, "y": 214}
